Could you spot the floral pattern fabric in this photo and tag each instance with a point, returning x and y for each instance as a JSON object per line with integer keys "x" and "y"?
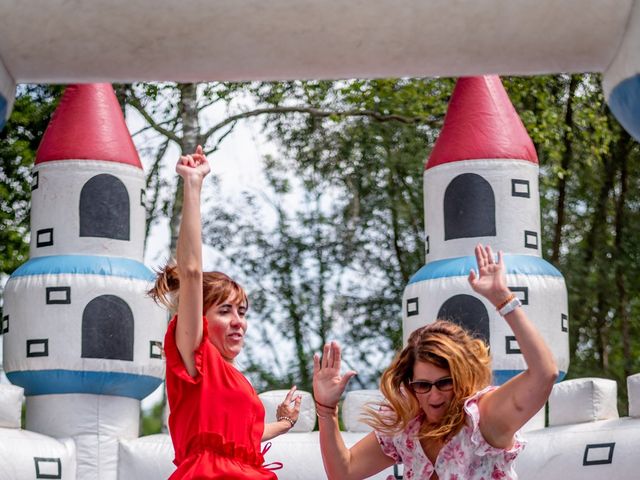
{"x": 467, "y": 456}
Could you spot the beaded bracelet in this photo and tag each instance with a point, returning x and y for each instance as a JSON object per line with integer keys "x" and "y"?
{"x": 292, "y": 422}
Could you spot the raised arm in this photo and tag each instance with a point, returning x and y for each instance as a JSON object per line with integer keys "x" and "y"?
{"x": 365, "y": 458}
{"x": 193, "y": 169}
{"x": 506, "y": 409}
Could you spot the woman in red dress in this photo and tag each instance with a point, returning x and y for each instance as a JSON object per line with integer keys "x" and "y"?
{"x": 217, "y": 419}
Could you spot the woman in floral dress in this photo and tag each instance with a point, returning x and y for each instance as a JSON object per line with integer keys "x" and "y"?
{"x": 441, "y": 418}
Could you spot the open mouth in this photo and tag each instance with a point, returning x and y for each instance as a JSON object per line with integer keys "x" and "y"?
{"x": 235, "y": 336}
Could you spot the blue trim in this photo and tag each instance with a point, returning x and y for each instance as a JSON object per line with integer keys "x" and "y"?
{"x": 460, "y": 266}
{"x": 85, "y": 265}
{"x": 624, "y": 102}
{"x": 47, "y": 382}
{"x": 3, "y": 111}
{"x": 501, "y": 376}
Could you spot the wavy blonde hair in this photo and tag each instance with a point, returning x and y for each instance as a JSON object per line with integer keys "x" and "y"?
{"x": 216, "y": 288}
{"x": 445, "y": 345}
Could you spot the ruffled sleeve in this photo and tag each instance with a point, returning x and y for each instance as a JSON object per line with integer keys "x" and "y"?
{"x": 387, "y": 446}
{"x": 478, "y": 443}
{"x": 175, "y": 365}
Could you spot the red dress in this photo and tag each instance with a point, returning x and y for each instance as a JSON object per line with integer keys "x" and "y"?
{"x": 216, "y": 420}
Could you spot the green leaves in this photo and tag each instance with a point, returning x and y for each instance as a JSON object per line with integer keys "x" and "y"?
{"x": 18, "y": 144}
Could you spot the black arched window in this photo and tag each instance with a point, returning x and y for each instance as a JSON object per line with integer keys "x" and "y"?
{"x": 469, "y": 208}
{"x": 107, "y": 329}
{"x": 469, "y": 312}
{"x": 104, "y": 208}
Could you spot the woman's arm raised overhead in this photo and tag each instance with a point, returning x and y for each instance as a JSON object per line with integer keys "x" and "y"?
{"x": 193, "y": 169}
{"x": 506, "y": 409}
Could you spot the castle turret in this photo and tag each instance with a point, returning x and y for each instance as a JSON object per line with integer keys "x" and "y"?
{"x": 80, "y": 335}
{"x": 481, "y": 186}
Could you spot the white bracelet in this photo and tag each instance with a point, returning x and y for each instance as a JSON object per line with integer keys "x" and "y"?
{"x": 510, "y": 307}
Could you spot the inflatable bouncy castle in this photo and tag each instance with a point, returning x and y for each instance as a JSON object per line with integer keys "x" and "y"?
{"x": 82, "y": 341}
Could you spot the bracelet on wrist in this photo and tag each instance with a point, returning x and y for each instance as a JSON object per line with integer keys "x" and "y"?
{"x": 510, "y": 306}
{"x": 509, "y": 298}
{"x": 326, "y": 406}
{"x": 288, "y": 419}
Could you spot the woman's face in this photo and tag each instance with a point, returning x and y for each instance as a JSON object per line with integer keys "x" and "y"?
{"x": 227, "y": 326}
{"x": 435, "y": 402}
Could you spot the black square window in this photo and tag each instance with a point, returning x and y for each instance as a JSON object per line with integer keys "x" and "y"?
{"x": 564, "y": 322}
{"x": 44, "y": 237}
{"x": 34, "y": 180}
{"x": 58, "y": 295}
{"x": 412, "y": 307}
{"x": 38, "y": 347}
{"x": 512, "y": 345}
{"x": 530, "y": 239}
{"x": 598, "y": 454}
{"x": 522, "y": 293}
{"x": 155, "y": 349}
{"x": 143, "y": 197}
{"x": 48, "y": 467}
{"x": 4, "y": 326}
{"x": 520, "y": 188}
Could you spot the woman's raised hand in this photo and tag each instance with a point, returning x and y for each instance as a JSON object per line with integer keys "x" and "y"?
{"x": 328, "y": 384}
{"x": 490, "y": 281}
{"x": 194, "y": 165}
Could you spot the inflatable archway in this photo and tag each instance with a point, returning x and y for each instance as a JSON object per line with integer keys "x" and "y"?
{"x": 192, "y": 40}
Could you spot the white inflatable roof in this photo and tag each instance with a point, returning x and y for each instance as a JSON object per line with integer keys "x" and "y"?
{"x": 195, "y": 40}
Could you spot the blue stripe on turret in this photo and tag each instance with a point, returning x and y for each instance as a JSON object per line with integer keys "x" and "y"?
{"x": 3, "y": 111}
{"x": 85, "y": 265}
{"x": 502, "y": 376}
{"x": 460, "y": 266}
{"x": 49, "y": 382}
{"x": 624, "y": 101}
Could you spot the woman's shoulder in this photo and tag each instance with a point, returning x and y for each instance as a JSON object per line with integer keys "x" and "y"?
{"x": 471, "y": 436}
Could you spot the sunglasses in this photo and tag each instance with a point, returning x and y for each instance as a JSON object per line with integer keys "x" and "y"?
{"x": 424, "y": 386}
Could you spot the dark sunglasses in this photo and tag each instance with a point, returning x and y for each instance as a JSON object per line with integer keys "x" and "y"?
{"x": 423, "y": 386}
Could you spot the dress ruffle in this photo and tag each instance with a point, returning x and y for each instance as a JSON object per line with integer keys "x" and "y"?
{"x": 482, "y": 447}
{"x": 214, "y": 442}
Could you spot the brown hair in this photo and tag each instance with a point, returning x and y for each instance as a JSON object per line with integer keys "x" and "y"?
{"x": 445, "y": 345}
{"x": 216, "y": 288}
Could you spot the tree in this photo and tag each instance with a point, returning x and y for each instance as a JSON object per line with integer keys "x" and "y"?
{"x": 19, "y": 142}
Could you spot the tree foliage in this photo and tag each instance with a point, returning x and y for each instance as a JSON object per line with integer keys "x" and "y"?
{"x": 19, "y": 142}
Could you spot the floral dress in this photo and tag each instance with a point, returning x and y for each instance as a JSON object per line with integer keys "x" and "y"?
{"x": 467, "y": 456}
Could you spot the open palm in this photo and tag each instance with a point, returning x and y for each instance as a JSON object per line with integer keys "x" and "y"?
{"x": 490, "y": 281}
{"x": 328, "y": 384}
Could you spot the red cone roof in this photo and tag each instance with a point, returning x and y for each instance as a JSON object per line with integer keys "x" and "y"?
{"x": 88, "y": 125}
{"x": 481, "y": 123}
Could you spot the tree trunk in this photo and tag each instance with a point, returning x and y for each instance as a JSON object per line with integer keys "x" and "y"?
{"x": 565, "y": 164}
{"x": 622, "y": 154}
{"x": 188, "y": 106}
